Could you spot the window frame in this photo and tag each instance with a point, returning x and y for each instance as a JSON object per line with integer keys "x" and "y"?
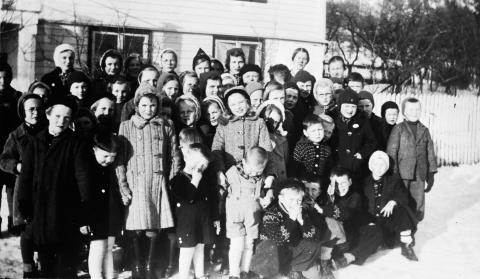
{"x": 238, "y": 41}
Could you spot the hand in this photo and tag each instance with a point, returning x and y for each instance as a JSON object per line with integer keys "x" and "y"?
{"x": 318, "y": 208}
{"x": 331, "y": 189}
{"x": 19, "y": 167}
{"x": 430, "y": 181}
{"x": 388, "y": 208}
{"x": 126, "y": 194}
{"x": 265, "y": 202}
{"x": 358, "y": 156}
{"x": 268, "y": 182}
{"x": 85, "y": 230}
{"x": 216, "y": 225}
{"x": 221, "y": 179}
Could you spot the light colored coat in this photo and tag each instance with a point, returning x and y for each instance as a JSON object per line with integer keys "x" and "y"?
{"x": 148, "y": 157}
{"x": 410, "y": 154}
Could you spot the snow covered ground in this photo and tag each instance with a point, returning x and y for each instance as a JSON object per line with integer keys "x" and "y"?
{"x": 447, "y": 241}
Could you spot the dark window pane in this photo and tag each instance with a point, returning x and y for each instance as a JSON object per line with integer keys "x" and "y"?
{"x": 103, "y": 42}
{"x": 133, "y": 44}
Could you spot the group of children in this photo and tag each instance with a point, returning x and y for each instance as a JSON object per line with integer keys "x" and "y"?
{"x": 274, "y": 178}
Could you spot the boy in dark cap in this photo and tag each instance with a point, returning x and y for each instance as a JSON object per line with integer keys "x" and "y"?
{"x": 251, "y": 73}
{"x": 366, "y": 104}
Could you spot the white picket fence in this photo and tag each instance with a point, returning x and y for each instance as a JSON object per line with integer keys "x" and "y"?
{"x": 454, "y": 123}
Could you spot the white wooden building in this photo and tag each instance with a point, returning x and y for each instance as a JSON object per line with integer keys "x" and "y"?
{"x": 267, "y": 30}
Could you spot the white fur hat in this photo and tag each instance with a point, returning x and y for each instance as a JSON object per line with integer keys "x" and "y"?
{"x": 379, "y": 155}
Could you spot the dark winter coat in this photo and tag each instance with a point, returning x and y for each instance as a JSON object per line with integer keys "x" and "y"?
{"x": 11, "y": 156}
{"x": 376, "y": 123}
{"x": 57, "y": 82}
{"x": 411, "y": 153}
{"x": 9, "y": 121}
{"x": 350, "y": 138}
{"x": 55, "y": 187}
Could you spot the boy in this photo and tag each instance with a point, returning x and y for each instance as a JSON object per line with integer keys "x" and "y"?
{"x": 251, "y": 73}
{"x": 311, "y": 156}
{"x": 352, "y": 138}
{"x": 255, "y": 90}
{"x": 245, "y": 182}
{"x": 77, "y": 84}
{"x": 411, "y": 148}
{"x": 355, "y": 82}
{"x": 366, "y": 104}
{"x": 305, "y": 82}
{"x": 121, "y": 89}
{"x": 389, "y": 113}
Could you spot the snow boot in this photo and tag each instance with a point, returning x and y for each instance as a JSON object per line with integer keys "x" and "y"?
{"x": 407, "y": 252}
{"x": 326, "y": 270}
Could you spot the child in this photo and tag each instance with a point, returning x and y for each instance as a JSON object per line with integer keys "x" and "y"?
{"x": 275, "y": 91}
{"x": 366, "y": 103}
{"x": 250, "y": 73}
{"x": 188, "y": 112}
{"x": 328, "y": 127}
{"x": 195, "y": 191}
{"x": 411, "y": 148}
{"x": 389, "y": 113}
{"x": 280, "y": 73}
{"x": 168, "y": 64}
{"x": 336, "y": 68}
{"x": 255, "y": 91}
{"x": 305, "y": 82}
{"x": 213, "y": 114}
{"x": 234, "y": 62}
{"x": 148, "y": 156}
{"x": 352, "y": 139}
{"x": 107, "y": 206}
{"x": 201, "y": 63}
{"x": 217, "y": 66}
{"x": 30, "y": 108}
{"x": 64, "y": 60}
{"x": 273, "y": 113}
{"x": 104, "y": 111}
{"x": 111, "y": 63}
{"x": 355, "y": 82}
{"x": 243, "y": 131}
{"x": 132, "y": 67}
{"x": 189, "y": 82}
{"x": 41, "y": 89}
{"x": 323, "y": 94}
{"x": 243, "y": 206}
{"x": 311, "y": 156}
{"x": 210, "y": 84}
{"x": 78, "y": 85}
{"x": 121, "y": 90}
{"x": 171, "y": 86}
{"x": 84, "y": 123}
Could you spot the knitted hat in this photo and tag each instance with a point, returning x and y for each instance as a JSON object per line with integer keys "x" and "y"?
{"x": 75, "y": 76}
{"x": 68, "y": 101}
{"x": 251, "y": 68}
{"x": 388, "y": 105}
{"x": 304, "y": 76}
{"x": 35, "y": 84}
{"x": 379, "y": 155}
{"x": 366, "y": 95}
{"x": 59, "y": 49}
{"x": 200, "y": 55}
{"x": 287, "y": 183}
{"x": 237, "y": 89}
{"x": 21, "y": 102}
{"x": 216, "y": 100}
{"x": 111, "y": 53}
{"x": 347, "y": 96}
{"x": 252, "y": 87}
{"x": 143, "y": 89}
{"x": 194, "y": 101}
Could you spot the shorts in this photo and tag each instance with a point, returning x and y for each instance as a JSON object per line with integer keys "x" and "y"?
{"x": 243, "y": 218}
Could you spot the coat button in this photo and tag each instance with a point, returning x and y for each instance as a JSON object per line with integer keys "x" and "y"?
{"x": 348, "y": 151}
{"x": 349, "y": 133}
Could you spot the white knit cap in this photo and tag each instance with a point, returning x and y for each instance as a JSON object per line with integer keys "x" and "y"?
{"x": 59, "y": 49}
{"x": 379, "y": 155}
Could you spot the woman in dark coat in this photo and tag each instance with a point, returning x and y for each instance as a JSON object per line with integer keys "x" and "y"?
{"x": 54, "y": 190}
{"x": 111, "y": 64}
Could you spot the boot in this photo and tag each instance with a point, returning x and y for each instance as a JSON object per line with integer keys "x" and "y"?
{"x": 149, "y": 267}
{"x": 339, "y": 263}
{"x": 136, "y": 268}
{"x": 326, "y": 270}
{"x": 407, "y": 252}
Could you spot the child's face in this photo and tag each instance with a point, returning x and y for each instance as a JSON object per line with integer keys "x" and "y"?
{"x": 336, "y": 69}
{"x": 256, "y": 98}
{"x": 150, "y": 77}
{"x": 253, "y": 169}
{"x": 366, "y": 106}
{"x": 356, "y": 86}
{"x": 168, "y": 62}
{"x": 120, "y": 91}
{"x": 305, "y": 87}
{"x": 213, "y": 87}
{"x": 412, "y": 111}
{"x": 313, "y": 190}
{"x": 186, "y": 111}
{"x": 66, "y": 60}
{"x": 238, "y": 104}
{"x": 277, "y": 95}
{"x": 378, "y": 167}
{"x": 171, "y": 88}
{"x": 214, "y": 113}
{"x": 291, "y": 199}
{"x": 236, "y": 63}
{"x": 147, "y": 108}
{"x": 274, "y": 119}
{"x": 250, "y": 77}
{"x": 104, "y": 158}
{"x": 300, "y": 60}
{"x": 202, "y": 67}
{"x": 167, "y": 112}
{"x": 344, "y": 183}
{"x": 190, "y": 84}
{"x": 323, "y": 96}
{"x": 59, "y": 119}
{"x": 292, "y": 98}
{"x": 32, "y": 111}
{"x": 391, "y": 116}
{"x": 79, "y": 89}
{"x": 314, "y": 133}
{"x": 83, "y": 125}
{"x": 134, "y": 67}
{"x": 105, "y": 106}
{"x": 42, "y": 92}
{"x": 348, "y": 110}
{"x": 112, "y": 66}
{"x": 196, "y": 161}
{"x": 328, "y": 130}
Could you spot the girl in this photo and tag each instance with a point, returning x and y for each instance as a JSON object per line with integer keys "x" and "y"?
{"x": 188, "y": 112}
{"x": 171, "y": 86}
{"x": 107, "y": 222}
{"x": 30, "y": 108}
{"x": 111, "y": 64}
{"x": 189, "y": 82}
{"x": 214, "y": 112}
{"x": 300, "y": 59}
{"x": 168, "y": 64}
{"x": 195, "y": 192}
{"x": 133, "y": 66}
{"x": 234, "y": 62}
{"x": 104, "y": 111}
{"x": 148, "y": 154}
{"x": 201, "y": 62}
{"x": 78, "y": 85}
{"x": 217, "y": 66}
{"x": 324, "y": 101}
{"x": 64, "y": 58}
{"x": 41, "y": 89}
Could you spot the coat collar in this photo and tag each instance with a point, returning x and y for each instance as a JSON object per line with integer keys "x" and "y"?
{"x": 140, "y": 122}
{"x": 250, "y": 116}
{"x": 420, "y": 130}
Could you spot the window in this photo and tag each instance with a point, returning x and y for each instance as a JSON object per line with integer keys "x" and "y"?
{"x": 125, "y": 42}
{"x": 252, "y": 48}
